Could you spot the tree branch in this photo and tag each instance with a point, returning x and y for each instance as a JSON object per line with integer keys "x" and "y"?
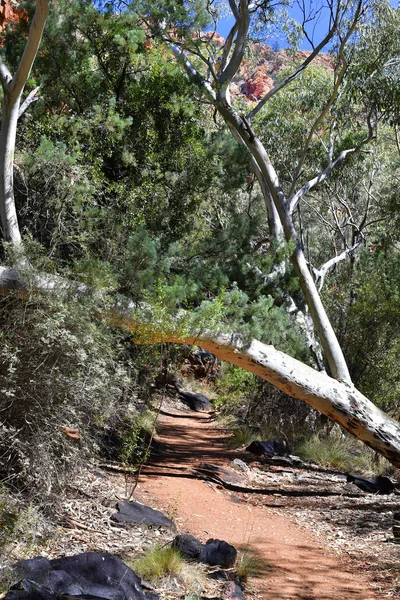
{"x": 322, "y": 176}
{"x": 5, "y": 75}
{"x": 321, "y": 273}
{"x": 193, "y": 74}
{"x": 243, "y": 22}
{"x": 330, "y": 102}
{"x": 31, "y": 97}
{"x": 298, "y": 71}
{"x": 31, "y": 48}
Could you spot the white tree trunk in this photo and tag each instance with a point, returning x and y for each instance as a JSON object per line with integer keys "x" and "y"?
{"x": 332, "y": 350}
{"x": 8, "y": 213}
{"x": 13, "y": 87}
{"x": 340, "y": 402}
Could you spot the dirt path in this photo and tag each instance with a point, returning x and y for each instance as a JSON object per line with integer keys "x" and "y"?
{"x": 298, "y": 566}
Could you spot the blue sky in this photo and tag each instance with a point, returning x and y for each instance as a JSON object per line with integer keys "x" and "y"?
{"x": 318, "y": 29}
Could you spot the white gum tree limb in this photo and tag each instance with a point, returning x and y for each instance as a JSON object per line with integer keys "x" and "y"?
{"x": 320, "y": 274}
{"x": 341, "y": 402}
{"x": 13, "y": 87}
{"x": 33, "y": 96}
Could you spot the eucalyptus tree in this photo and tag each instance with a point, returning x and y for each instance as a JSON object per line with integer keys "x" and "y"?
{"x": 13, "y": 85}
{"x": 335, "y": 396}
{"x": 212, "y": 66}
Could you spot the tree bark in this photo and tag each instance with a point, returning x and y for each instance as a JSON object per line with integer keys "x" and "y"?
{"x": 13, "y": 87}
{"x": 9, "y": 220}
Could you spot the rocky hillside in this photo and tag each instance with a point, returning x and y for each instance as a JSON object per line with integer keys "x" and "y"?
{"x": 260, "y": 69}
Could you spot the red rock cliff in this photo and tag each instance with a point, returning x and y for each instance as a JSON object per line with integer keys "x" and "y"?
{"x": 9, "y": 11}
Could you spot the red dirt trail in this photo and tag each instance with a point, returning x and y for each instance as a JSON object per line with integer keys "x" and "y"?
{"x": 299, "y": 566}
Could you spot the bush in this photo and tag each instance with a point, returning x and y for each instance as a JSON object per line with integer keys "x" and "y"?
{"x": 59, "y": 368}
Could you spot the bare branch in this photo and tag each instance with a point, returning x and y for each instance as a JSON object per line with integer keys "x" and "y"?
{"x": 334, "y": 94}
{"x": 321, "y": 273}
{"x": 227, "y": 47}
{"x": 322, "y": 176}
{"x": 31, "y": 97}
{"x": 298, "y": 71}
{"x": 243, "y": 22}
{"x": 193, "y": 74}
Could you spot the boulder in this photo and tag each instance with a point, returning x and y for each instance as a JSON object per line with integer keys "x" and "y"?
{"x": 218, "y": 552}
{"x": 188, "y": 546}
{"x": 94, "y": 575}
{"x": 196, "y": 402}
{"x": 134, "y": 512}
{"x": 268, "y": 448}
{"x": 380, "y": 485}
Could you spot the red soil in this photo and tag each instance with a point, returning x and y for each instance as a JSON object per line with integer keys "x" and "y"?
{"x": 300, "y": 566}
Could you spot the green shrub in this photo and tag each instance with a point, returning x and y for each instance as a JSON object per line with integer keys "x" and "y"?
{"x": 59, "y": 367}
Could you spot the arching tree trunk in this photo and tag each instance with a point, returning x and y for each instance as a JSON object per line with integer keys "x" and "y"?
{"x": 339, "y": 401}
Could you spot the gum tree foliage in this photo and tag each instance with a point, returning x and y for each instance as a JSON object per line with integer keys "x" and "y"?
{"x": 210, "y": 69}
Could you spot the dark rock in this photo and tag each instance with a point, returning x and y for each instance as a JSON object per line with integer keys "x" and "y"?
{"x": 196, "y": 402}
{"x": 270, "y": 448}
{"x": 94, "y": 575}
{"x": 188, "y": 546}
{"x": 396, "y": 516}
{"x": 233, "y": 591}
{"x": 218, "y": 552}
{"x": 133, "y": 512}
{"x": 380, "y": 485}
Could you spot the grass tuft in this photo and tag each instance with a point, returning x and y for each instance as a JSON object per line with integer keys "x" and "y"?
{"x": 249, "y": 564}
{"x": 337, "y": 451}
{"x": 241, "y": 436}
{"x": 159, "y": 562}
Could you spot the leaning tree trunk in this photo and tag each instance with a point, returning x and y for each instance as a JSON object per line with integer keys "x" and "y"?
{"x": 339, "y": 401}
{"x": 332, "y": 350}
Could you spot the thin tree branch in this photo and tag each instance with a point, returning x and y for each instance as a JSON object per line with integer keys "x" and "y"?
{"x": 331, "y": 100}
{"x": 193, "y": 74}
{"x": 322, "y": 176}
{"x": 227, "y": 47}
{"x": 321, "y": 273}
{"x": 243, "y": 22}
{"x": 31, "y": 97}
{"x": 298, "y": 71}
